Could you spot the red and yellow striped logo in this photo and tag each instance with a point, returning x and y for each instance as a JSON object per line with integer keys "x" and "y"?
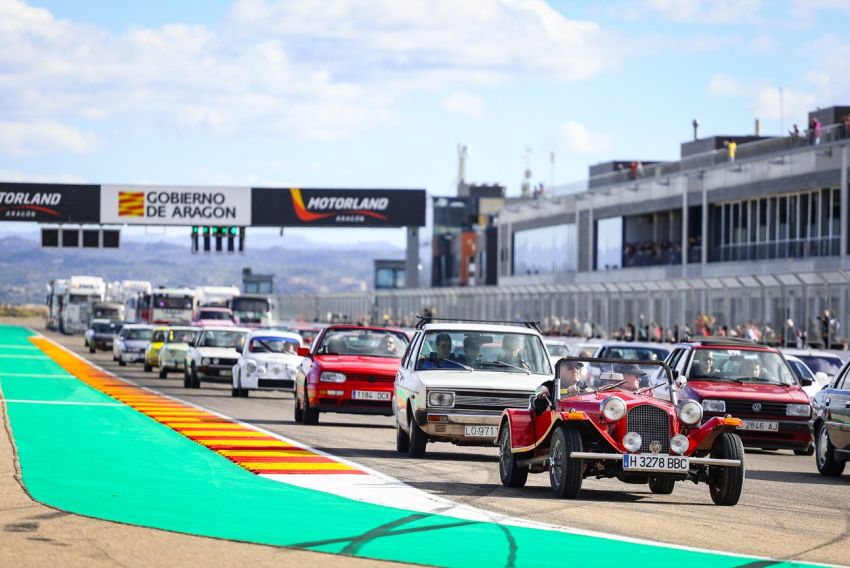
{"x": 131, "y": 203}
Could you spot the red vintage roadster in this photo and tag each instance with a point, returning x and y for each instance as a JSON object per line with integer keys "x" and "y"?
{"x": 630, "y": 425}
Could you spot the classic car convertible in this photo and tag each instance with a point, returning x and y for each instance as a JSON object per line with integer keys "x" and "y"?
{"x": 637, "y": 434}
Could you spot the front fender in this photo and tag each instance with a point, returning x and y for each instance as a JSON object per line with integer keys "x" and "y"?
{"x": 703, "y": 437}
{"x": 520, "y": 421}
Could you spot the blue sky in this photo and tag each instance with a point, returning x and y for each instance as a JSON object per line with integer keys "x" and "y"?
{"x": 351, "y": 93}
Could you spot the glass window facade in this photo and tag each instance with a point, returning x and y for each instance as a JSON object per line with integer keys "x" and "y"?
{"x": 609, "y": 243}
{"x": 547, "y": 249}
{"x": 793, "y": 225}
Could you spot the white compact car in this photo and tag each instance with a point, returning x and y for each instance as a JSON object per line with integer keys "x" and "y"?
{"x": 212, "y": 354}
{"x": 269, "y": 361}
{"x": 172, "y": 354}
{"x": 456, "y": 379}
{"x": 130, "y": 343}
{"x": 808, "y": 380}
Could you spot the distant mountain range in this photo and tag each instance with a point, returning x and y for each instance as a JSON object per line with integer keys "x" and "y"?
{"x": 303, "y": 266}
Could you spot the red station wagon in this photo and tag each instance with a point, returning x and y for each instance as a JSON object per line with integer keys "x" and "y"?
{"x": 749, "y": 381}
{"x": 349, "y": 369}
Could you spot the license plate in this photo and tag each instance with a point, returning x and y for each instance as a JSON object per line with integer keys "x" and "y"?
{"x": 371, "y": 395}
{"x": 480, "y": 431}
{"x": 655, "y": 462}
{"x": 760, "y": 426}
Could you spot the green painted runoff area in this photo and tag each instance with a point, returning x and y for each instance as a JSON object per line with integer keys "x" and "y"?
{"x": 114, "y": 463}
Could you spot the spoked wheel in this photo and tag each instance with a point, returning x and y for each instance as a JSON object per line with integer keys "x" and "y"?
{"x": 511, "y": 474}
{"x": 725, "y": 483}
{"x": 661, "y": 485}
{"x": 826, "y": 462}
{"x": 564, "y": 471}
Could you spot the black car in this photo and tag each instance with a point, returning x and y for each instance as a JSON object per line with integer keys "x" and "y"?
{"x": 101, "y": 334}
{"x": 831, "y": 423}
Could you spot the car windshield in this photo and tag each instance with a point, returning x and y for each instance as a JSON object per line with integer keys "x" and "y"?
{"x": 224, "y": 339}
{"x": 214, "y": 315}
{"x": 173, "y": 302}
{"x": 136, "y": 333}
{"x": 580, "y": 375}
{"x": 557, "y": 349}
{"x": 801, "y": 371}
{"x": 739, "y": 365}
{"x": 307, "y": 335}
{"x": 631, "y": 352}
{"x": 180, "y": 335}
{"x": 821, "y": 363}
{"x": 103, "y": 327}
{"x": 158, "y": 336}
{"x": 272, "y": 344}
{"x": 470, "y": 350}
{"x": 365, "y": 342}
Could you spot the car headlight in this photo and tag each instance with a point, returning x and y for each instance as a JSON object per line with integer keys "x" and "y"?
{"x": 205, "y": 361}
{"x": 251, "y": 366}
{"x": 690, "y": 412}
{"x": 291, "y": 371}
{"x": 714, "y": 405}
{"x": 438, "y": 398}
{"x": 329, "y": 377}
{"x": 679, "y": 444}
{"x": 798, "y": 410}
{"x": 612, "y": 408}
{"x": 215, "y": 361}
{"x": 632, "y": 441}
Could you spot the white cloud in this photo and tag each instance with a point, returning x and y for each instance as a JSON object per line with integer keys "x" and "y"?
{"x": 791, "y": 105}
{"x": 306, "y": 69}
{"x": 579, "y": 139}
{"x": 704, "y": 11}
{"x": 722, "y": 85}
{"x": 24, "y": 138}
{"x": 464, "y": 104}
{"x": 17, "y": 176}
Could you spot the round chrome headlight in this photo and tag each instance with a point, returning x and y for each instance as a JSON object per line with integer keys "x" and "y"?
{"x": 690, "y": 412}
{"x": 679, "y": 444}
{"x": 251, "y": 366}
{"x": 215, "y": 361}
{"x": 205, "y": 361}
{"x": 612, "y": 408}
{"x": 632, "y": 441}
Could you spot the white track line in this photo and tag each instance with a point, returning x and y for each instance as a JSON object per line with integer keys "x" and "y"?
{"x": 36, "y": 375}
{"x": 64, "y": 402}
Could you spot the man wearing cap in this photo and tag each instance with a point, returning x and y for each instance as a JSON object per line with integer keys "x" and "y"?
{"x": 631, "y": 375}
{"x": 569, "y": 372}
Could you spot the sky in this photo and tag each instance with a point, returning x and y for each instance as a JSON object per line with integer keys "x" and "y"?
{"x": 366, "y": 94}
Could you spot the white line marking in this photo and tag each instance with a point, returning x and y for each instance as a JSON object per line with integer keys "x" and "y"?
{"x": 64, "y": 402}
{"x": 7, "y": 346}
{"x": 37, "y": 375}
{"x": 7, "y": 356}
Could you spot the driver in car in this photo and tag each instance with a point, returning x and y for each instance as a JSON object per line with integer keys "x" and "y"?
{"x": 390, "y": 346}
{"x": 442, "y": 357}
{"x": 632, "y": 375}
{"x": 511, "y": 346}
{"x": 569, "y": 373}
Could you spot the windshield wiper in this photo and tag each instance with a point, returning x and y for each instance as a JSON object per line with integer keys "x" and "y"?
{"x": 465, "y": 367}
{"x": 503, "y": 365}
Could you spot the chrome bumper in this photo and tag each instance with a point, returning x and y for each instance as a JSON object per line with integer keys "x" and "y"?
{"x": 619, "y": 458}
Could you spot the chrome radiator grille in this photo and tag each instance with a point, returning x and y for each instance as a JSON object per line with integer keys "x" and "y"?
{"x": 490, "y": 400}
{"x": 653, "y": 424}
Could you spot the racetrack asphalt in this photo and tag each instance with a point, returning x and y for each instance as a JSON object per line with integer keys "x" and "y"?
{"x": 418, "y": 542}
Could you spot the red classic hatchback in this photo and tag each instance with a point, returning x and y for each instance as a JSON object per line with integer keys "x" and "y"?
{"x": 751, "y": 382}
{"x": 349, "y": 369}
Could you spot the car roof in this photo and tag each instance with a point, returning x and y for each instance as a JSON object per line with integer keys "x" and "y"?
{"x": 137, "y": 326}
{"x": 488, "y": 327}
{"x": 214, "y": 309}
{"x": 101, "y": 320}
{"x": 810, "y": 353}
{"x": 224, "y": 328}
{"x": 361, "y": 327}
{"x": 639, "y": 344}
{"x": 732, "y": 342}
{"x": 275, "y": 333}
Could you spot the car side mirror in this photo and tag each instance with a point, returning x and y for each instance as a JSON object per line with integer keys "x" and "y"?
{"x": 303, "y": 351}
{"x": 806, "y": 381}
{"x": 681, "y": 380}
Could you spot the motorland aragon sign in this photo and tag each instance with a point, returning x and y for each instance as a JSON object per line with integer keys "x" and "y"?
{"x": 175, "y": 205}
{"x": 49, "y": 202}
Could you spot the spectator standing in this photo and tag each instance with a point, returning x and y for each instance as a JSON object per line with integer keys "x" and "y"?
{"x": 794, "y": 132}
{"x": 731, "y": 149}
{"x": 818, "y": 131}
{"x": 633, "y": 168}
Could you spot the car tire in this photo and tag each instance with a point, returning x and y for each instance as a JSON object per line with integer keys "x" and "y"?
{"x": 194, "y": 379}
{"x": 91, "y": 349}
{"x": 418, "y": 438}
{"x": 163, "y": 373}
{"x": 122, "y": 362}
{"x": 511, "y": 474}
{"x": 565, "y": 473}
{"x": 311, "y": 415}
{"x": 298, "y": 412}
{"x": 825, "y": 455}
{"x": 810, "y": 451}
{"x": 661, "y": 485}
{"x": 402, "y": 439}
{"x": 725, "y": 483}
{"x": 235, "y": 392}
{"x": 148, "y": 367}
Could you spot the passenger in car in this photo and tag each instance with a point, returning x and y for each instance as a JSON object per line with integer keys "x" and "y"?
{"x": 631, "y": 375}
{"x": 471, "y": 352}
{"x": 703, "y": 365}
{"x": 510, "y": 352}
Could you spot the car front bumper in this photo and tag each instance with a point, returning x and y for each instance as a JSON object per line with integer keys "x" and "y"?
{"x": 340, "y": 397}
{"x": 619, "y": 458}
{"x": 450, "y": 426}
{"x": 792, "y": 434}
{"x": 131, "y": 357}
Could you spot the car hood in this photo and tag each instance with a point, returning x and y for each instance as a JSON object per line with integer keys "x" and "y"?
{"x": 495, "y": 380}
{"x": 748, "y": 391}
{"x": 98, "y": 335}
{"x": 174, "y": 347}
{"x": 274, "y": 358}
{"x": 358, "y": 364}
{"x": 217, "y": 352}
{"x": 136, "y": 342}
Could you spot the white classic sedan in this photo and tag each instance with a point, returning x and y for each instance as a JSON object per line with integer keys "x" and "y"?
{"x": 212, "y": 354}
{"x": 130, "y": 343}
{"x": 457, "y": 378}
{"x": 269, "y": 361}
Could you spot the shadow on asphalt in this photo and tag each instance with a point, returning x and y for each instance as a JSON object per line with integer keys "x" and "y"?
{"x": 808, "y": 478}
{"x": 538, "y": 492}
{"x": 393, "y": 454}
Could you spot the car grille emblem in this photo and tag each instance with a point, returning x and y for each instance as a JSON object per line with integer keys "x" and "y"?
{"x": 655, "y": 446}
{"x": 757, "y": 407}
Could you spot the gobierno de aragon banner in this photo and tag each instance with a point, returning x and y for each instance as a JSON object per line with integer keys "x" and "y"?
{"x": 49, "y": 202}
{"x": 326, "y": 207}
{"x": 175, "y": 205}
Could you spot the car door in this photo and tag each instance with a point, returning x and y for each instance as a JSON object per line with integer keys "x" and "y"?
{"x": 405, "y": 378}
{"x": 838, "y": 411}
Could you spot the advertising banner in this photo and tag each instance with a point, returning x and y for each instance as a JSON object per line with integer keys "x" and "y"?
{"x": 175, "y": 205}
{"x": 49, "y": 202}
{"x": 314, "y": 207}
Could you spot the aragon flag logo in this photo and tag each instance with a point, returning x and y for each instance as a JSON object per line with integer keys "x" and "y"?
{"x": 131, "y": 204}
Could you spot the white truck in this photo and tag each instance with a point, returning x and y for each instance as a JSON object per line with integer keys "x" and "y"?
{"x": 173, "y": 305}
{"x": 55, "y": 303}
{"x": 81, "y": 293}
{"x": 216, "y": 295}
{"x": 253, "y": 310}
{"x": 132, "y": 294}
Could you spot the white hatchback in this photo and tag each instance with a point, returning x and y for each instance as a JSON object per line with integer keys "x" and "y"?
{"x": 269, "y": 361}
